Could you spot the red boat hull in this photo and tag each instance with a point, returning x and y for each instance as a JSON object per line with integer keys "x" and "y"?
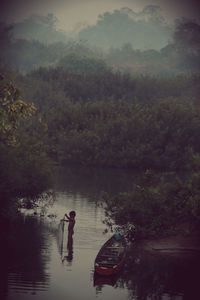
{"x": 108, "y": 271}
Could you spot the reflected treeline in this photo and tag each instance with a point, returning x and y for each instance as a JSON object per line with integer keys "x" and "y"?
{"x": 24, "y": 257}
{"x": 151, "y": 276}
{"x": 91, "y": 181}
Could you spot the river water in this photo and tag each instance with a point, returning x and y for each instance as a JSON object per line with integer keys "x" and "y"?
{"x": 40, "y": 265}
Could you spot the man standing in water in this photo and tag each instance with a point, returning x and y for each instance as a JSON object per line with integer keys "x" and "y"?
{"x": 71, "y": 220}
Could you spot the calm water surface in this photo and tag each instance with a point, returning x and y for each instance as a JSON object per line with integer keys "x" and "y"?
{"x": 41, "y": 266}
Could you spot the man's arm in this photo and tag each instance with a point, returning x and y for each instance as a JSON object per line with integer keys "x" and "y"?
{"x": 66, "y": 217}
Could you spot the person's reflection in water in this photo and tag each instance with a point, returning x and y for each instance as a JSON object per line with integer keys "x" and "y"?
{"x": 71, "y": 220}
{"x": 69, "y": 257}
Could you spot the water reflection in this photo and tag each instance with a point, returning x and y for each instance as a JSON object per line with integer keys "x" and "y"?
{"x": 68, "y": 247}
{"x": 101, "y": 281}
{"x": 60, "y": 237}
{"x": 25, "y": 256}
{"x": 149, "y": 276}
{"x": 91, "y": 181}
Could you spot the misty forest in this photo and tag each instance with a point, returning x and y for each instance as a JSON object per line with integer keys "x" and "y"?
{"x": 102, "y": 121}
{"x": 123, "y": 93}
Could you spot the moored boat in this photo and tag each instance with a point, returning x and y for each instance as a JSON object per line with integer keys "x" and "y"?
{"x": 111, "y": 256}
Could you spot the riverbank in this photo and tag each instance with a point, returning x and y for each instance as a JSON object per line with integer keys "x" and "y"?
{"x": 176, "y": 244}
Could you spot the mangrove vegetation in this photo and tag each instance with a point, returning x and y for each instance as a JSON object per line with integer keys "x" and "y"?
{"x": 68, "y": 103}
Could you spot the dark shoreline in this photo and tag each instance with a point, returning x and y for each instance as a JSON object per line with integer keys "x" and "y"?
{"x": 177, "y": 244}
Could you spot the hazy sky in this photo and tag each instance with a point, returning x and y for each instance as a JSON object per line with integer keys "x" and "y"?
{"x": 71, "y": 12}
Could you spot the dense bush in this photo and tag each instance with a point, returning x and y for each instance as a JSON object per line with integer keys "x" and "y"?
{"x": 90, "y": 113}
{"x": 158, "y": 209}
{"x": 24, "y": 165}
{"x": 113, "y": 119}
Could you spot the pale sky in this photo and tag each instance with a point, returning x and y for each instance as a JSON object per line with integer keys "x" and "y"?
{"x": 71, "y": 12}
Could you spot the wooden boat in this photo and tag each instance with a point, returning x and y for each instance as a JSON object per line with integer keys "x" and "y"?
{"x": 111, "y": 256}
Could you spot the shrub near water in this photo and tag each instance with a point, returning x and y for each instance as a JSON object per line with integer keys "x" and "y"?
{"x": 157, "y": 210}
{"x": 25, "y": 169}
{"x": 116, "y": 134}
{"x": 112, "y": 119}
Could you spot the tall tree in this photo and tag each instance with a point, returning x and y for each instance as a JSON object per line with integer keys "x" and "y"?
{"x": 187, "y": 42}
{"x": 42, "y": 28}
{"x": 12, "y": 109}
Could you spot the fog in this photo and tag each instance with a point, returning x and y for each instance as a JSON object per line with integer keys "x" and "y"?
{"x": 127, "y": 25}
{"x": 108, "y": 85}
{"x": 71, "y": 12}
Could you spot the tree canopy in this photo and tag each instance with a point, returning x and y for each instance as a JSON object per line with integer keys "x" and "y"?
{"x": 12, "y": 110}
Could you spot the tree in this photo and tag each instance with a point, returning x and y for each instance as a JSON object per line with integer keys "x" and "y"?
{"x": 12, "y": 110}
{"x": 145, "y": 29}
{"x": 153, "y": 12}
{"x": 5, "y": 42}
{"x": 82, "y": 64}
{"x": 187, "y": 42}
{"x": 25, "y": 169}
{"x": 5, "y": 36}
{"x": 187, "y": 33}
{"x": 42, "y": 28}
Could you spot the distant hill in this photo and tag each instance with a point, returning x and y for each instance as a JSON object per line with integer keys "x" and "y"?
{"x": 40, "y": 28}
{"x": 146, "y": 29}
